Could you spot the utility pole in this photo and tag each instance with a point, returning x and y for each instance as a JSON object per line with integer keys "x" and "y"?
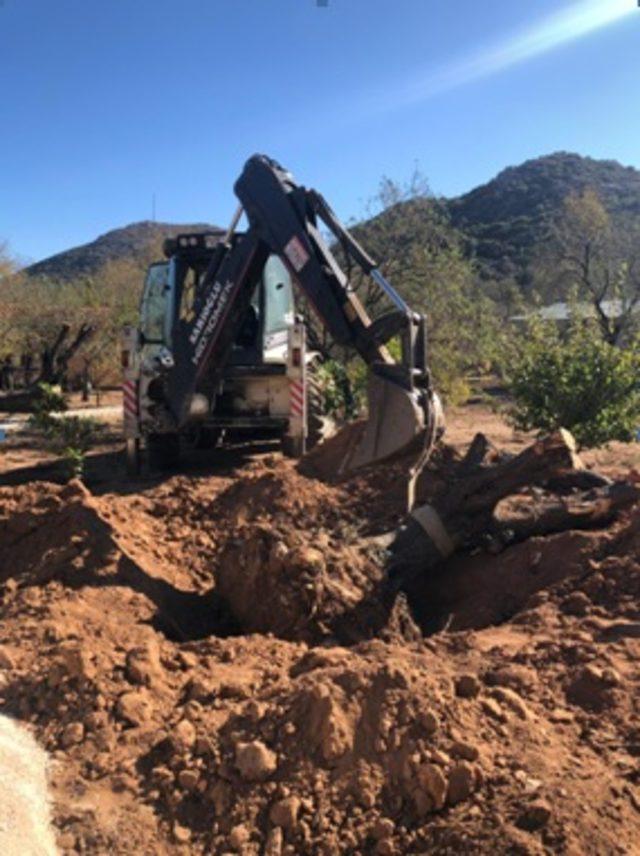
{"x": 153, "y": 207}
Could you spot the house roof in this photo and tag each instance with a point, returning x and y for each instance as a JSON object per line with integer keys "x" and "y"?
{"x": 561, "y": 311}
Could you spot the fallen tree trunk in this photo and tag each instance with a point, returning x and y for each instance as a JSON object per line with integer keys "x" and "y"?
{"x": 555, "y": 493}
{"x": 582, "y": 510}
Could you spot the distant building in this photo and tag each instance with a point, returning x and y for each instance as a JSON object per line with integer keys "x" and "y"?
{"x": 561, "y": 311}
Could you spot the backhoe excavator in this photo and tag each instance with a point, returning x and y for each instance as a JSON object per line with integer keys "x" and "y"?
{"x": 219, "y": 346}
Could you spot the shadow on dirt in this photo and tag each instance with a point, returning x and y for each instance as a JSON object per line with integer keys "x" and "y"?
{"x": 181, "y": 616}
{"x": 105, "y": 470}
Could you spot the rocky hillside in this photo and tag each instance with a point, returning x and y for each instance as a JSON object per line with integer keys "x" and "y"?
{"x": 508, "y": 219}
{"x": 504, "y": 222}
{"x": 138, "y": 242}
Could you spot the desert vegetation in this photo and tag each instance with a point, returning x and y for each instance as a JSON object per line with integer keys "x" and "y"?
{"x": 569, "y": 232}
{"x": 241, "y": 659}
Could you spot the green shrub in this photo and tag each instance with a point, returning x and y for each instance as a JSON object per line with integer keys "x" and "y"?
{"x": 343, "y": 386}
{"x": 48, "y": 400}
{"x": 70, "y": 437}
{"x": 576, "y": 381}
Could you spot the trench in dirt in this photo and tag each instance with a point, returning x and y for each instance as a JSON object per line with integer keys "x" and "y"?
{"x": 189, "y": 617}
{"x": 290, "y": 561}
{"x": 287, "y": 555}
{"x": 468, "y": 592}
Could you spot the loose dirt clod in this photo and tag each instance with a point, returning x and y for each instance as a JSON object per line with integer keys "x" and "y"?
{"x": 218, "y": 667}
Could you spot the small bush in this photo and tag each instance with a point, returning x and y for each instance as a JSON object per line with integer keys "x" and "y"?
{"x": 343, "y": 387}
{"x": 70, "y": 437}
{"x": 48, "y": 400}
{"x": 575, "y": 381}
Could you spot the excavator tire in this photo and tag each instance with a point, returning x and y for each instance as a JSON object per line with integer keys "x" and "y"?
{"x": 209, "y": 438}
{"x": 132, "y": 456}
{"x": 163, "y": 451}
{"x": 202, "y": 437}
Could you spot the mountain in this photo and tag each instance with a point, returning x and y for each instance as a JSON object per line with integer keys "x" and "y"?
{"x": 507, "y": 221}
{"x": 138, "y": 242}
{"x": 504, "y": 223}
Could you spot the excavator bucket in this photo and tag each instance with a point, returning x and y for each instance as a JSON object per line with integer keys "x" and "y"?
{"x": 399, "y": 425}
{"x": 396, "y": 422}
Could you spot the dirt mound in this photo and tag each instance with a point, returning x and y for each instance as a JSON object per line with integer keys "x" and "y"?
{"x": 327, "y": 460}
{"x": 325, "y": 757}
{"x": 47, "y": 532}
{"x": 214, "y": 669}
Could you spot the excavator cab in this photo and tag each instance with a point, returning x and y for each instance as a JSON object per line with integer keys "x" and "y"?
{"x": 155, "y": 316}
{"x": 248, "y": 395}
{"x": 263, "y": 334}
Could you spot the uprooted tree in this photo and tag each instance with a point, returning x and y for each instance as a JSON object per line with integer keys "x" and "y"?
{"x": 491, "y": 501}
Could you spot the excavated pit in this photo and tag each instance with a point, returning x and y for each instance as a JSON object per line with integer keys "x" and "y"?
{"x": 188, "y": 617}
{"x": 219, "y": 667}
{"x": 288, "y": 555}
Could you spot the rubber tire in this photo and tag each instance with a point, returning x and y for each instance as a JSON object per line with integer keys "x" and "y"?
{"x": 209, "y": 438}
{"x": 290, "y": 446}
{"x": 319, "y": 425}
{"x": 163, "y": 451}
{"x": 203, "y": 438}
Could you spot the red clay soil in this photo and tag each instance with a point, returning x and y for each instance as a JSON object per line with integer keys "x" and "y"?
{"x": 213, "y": 671}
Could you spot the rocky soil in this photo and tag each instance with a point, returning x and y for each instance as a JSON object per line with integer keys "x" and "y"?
{"x": 210, "y": 664}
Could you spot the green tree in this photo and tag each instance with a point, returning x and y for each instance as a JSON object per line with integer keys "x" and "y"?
{"x": 599, "y": 258}
{"x": 423, "y": 257}
{"x": 575, "y": 380}
{"x": 33, "y": 311}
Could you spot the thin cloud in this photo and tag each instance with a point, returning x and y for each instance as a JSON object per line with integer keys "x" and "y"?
{"x": 570, "y": 24}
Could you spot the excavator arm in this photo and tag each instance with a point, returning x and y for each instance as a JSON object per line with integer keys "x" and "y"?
{"x": 284, "y": 219}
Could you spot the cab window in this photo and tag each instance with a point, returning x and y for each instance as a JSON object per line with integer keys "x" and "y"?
{"x": 278, "y": 296}
{"x": 153, "y": 309}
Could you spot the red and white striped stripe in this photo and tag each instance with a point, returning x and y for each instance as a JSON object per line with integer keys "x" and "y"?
{"x": 296, "y": 397}
{"x": 130, "y": 399}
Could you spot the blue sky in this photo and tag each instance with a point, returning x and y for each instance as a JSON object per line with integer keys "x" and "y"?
{"x": 106, "y": 102}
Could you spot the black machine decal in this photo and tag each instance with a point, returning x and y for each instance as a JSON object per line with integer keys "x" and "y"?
{"x": 209, "y": 318}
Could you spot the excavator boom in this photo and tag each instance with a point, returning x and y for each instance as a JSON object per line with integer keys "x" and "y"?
{"x": 284, "y": 219}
